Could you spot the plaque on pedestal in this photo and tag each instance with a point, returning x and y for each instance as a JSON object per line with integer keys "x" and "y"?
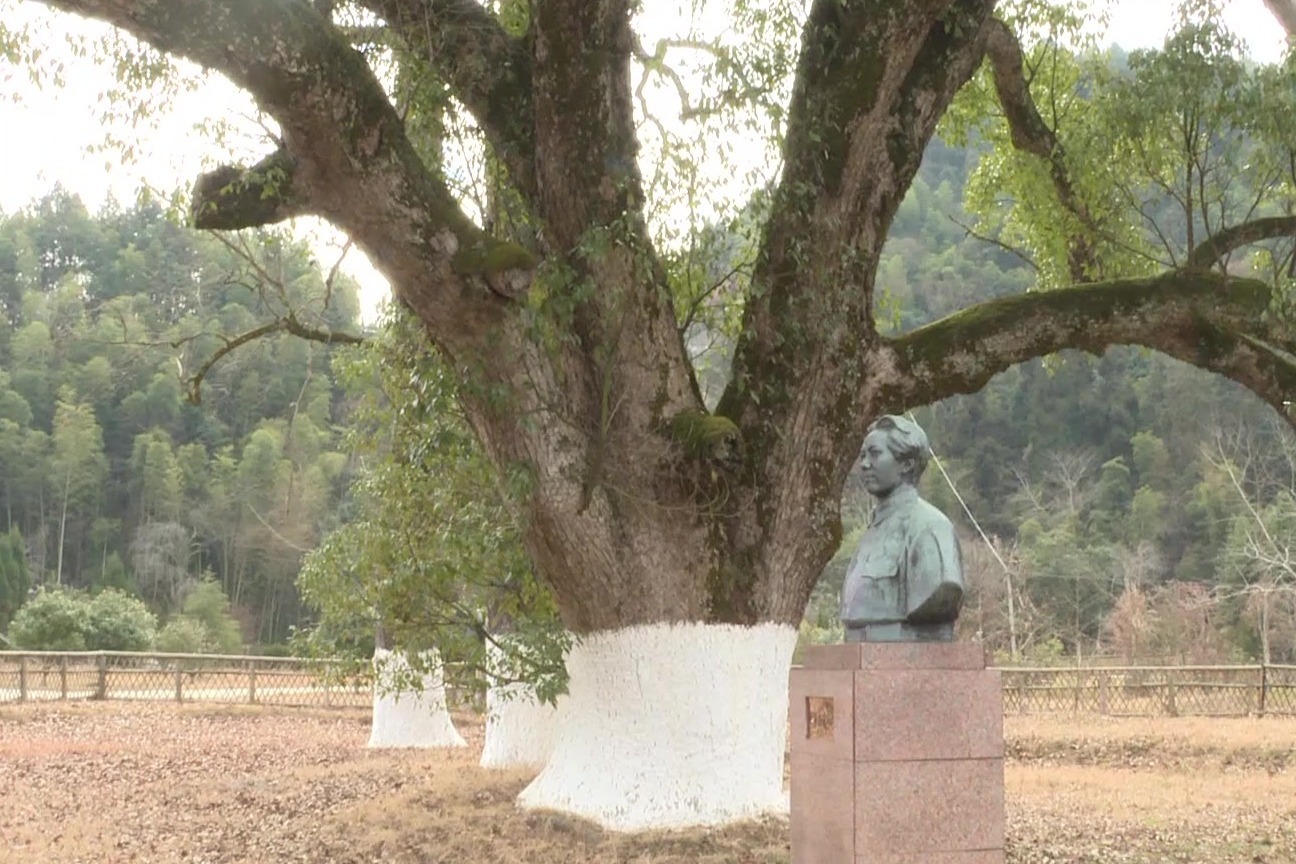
{"x": 897, "y": 755}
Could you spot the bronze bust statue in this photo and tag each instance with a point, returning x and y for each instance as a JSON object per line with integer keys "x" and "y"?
{"x": 905, "y": 583}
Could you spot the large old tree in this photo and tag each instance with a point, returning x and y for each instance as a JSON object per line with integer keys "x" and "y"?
{"x": 681, "y": 543}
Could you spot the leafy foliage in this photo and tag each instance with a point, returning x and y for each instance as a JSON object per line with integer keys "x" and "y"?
{"x": 118, "y": 622}
{"x": 206, "y": 615}
{"x": 73, "y": 621}
{"x": 51, "y": 621}
{"x": 431, "y": 557}
{"x": 184, "y": 635}
{"x": 14, "y": 580}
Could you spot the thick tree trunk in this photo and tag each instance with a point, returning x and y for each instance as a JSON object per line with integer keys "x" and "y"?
{"x": 671, "y": 725}
{"x": 406, "y": 716}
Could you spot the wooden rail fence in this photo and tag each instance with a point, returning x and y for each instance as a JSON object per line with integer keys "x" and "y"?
{"x": 32, "y": 676}
{"x": 1152, "y": 691}
{"x": 1134, "y": 691}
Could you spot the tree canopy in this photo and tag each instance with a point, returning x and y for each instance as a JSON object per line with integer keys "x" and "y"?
{"x": 559, "y": 307}
{"x": 110, "y": 474}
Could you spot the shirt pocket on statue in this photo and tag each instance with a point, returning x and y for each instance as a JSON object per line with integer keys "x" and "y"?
{"x": 878, "y": 596}
{"x": 875, "y": 577}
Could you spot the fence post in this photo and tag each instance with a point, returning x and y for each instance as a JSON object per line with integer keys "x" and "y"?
{"x": 1264, "y": 686}
{"x": 179, "y": 683}
{"x": 1171, "y": 709}
{"x": 1102, "y": 692}
{"x": 101, "y": 686}
{"x": 22, "y": 678}
{"x": 63, "y": 676}
{"x": 252, "y": 682}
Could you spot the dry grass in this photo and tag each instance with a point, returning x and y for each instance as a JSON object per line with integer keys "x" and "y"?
{"x": 1146, "y": 789}
{"x": 110, "y": 782}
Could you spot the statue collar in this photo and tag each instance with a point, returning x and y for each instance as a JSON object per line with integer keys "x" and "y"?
{"x": 900, "y": 500}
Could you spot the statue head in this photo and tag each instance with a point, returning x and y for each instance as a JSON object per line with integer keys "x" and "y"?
{"x": 895, "y": 451}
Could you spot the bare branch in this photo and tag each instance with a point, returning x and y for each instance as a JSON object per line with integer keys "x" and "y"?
{"x": 287, "y": 324}
{"x": 1235, "y": 236}
{"x": 333, "y": 272}
{"x": 656, "y": 62}
{"x": 995, "y": 241}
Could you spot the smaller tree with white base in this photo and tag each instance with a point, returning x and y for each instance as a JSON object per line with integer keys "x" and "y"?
{"x": 410, "y": 710}
{"x": 521, "y": 731}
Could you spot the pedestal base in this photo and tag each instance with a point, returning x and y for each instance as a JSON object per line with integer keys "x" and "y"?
{"x": 897, "y": 755}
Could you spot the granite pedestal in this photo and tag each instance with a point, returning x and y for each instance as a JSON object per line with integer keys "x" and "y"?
{"x": 897, "y": 755}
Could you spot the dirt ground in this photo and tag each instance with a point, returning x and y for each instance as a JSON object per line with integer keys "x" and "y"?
{"x": 150, "y": 783}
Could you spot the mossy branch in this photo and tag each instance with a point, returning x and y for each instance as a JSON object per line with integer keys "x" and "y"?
{"x": 1201, "y": 317}
{"x": 344, "y": 153}
{"x": 231, "y": 197}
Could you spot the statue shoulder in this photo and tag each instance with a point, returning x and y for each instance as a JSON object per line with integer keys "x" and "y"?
{"x": 927, "y": 517}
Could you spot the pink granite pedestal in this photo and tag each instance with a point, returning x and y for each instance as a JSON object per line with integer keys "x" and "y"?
{"x": 897, "y": 755}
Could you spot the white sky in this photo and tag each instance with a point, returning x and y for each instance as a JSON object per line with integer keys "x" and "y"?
{"x": 46, "y": 133}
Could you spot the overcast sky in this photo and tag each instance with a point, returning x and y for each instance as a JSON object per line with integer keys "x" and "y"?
{"x": 45, "y": 132}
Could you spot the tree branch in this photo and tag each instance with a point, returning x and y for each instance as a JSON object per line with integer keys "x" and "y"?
{"x": 872, "y": 81}
{"x": 230, "y": 198}
{"x": 286, "y": 324}
{"x": 1031, "y": 134}
{"x": 488, "y": 70}
{"x": 869, "y": 90}
{"x": 349, "y": 158}
{"x": 584, "y": 116}
{"x": 1285, "y": 12}
{"x": 1197, "y": 316}
{"x": 1228, "y": 239}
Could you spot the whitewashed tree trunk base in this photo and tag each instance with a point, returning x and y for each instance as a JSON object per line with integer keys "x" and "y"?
{"x": 410, "y": 718}
{"x": 520, "y": 731}
{"x": 670, "y": 726}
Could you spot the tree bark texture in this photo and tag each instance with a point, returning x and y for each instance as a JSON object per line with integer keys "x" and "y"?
{"x": 643, "y": 508}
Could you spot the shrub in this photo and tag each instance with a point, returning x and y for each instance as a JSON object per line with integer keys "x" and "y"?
{"x": 118, "y": 622}
{"x": 184, "y": 635}
{"x": 207, "y": 604}
{"x": 51, "y": 621}
{"x": 71, "y": 621}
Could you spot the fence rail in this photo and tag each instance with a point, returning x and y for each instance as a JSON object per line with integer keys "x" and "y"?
{"x": 1133, "y": 691}
{"x": 1152, "y": 691}
{"x": 58, "y": 675}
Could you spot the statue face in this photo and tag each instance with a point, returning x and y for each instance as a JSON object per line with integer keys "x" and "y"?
{"x": 881, "y": 471}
